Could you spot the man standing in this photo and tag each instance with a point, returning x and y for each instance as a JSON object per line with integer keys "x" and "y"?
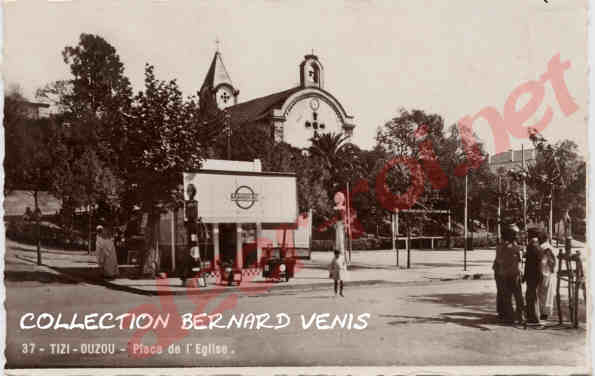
{"x": 499, "y": 286}
{"x": 533, "y": 276}
{"x": 508, "y": 260}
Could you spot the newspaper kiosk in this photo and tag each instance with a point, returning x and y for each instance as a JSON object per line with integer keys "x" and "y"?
{"x": 235, "y": 206}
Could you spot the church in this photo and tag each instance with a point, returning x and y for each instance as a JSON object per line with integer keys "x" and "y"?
{"x": 293, "y": 115}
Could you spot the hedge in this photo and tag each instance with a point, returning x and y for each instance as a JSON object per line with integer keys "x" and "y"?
{"x": 26, "y": 232}
{"x": 386, "y": 243}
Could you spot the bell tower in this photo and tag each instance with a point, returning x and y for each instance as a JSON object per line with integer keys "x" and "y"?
{"x": 217, "y": 87}
{"x": 311, "y": 72}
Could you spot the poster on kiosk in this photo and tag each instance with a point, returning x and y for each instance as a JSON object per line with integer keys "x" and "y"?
{"x": 244, "y": 197}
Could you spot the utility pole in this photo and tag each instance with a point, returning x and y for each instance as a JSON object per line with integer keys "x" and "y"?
{"x": 408, "y": 222}
{"x": 551, "y": 221}
{"x": 37, "y": 217}
{"x": 393, "y": 217}
{"x": 465, "y": 236}
{"x": 524, "y": 189}
{"x": 228, "y": 127}
{"x": 349, "y": 245}
{"x": 499, "y": 207}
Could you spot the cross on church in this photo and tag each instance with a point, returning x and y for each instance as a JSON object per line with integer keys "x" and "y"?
{"x": 217, "y": 41}
{"x": 225, "y": 97}
{"x": 314, "y": 124}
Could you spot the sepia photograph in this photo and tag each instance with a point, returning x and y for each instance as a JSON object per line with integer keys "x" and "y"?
{"x": 355, "y": 187}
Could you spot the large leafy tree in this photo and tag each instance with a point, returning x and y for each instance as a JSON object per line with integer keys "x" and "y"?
{"x": 29, "y": 163}
{"x": 434, "y": 161}
{"x": 338, "y": 158}
{"x": 82, "y": 178}
{"x": 558, "y": 176}
{"x": 166, "y": 135}
{"x": 237, "y": 141}
{"x": 97, "y": 98}
{"x": 94, "y": 106}
{"x": 310, "y": 177}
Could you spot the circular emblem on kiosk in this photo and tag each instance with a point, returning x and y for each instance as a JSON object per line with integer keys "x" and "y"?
{"x": 244, "y": 197}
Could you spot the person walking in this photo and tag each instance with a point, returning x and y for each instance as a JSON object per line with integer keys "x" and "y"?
{"x": 546, "y": 290}
{"x": 533, "y": 276}
{"x": 106, "y": 254}
{"x": 508, "y": 260}
{"x": 338, "y": 271}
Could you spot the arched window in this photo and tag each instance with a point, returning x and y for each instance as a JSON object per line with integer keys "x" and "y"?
{"x": 314, "y": 72}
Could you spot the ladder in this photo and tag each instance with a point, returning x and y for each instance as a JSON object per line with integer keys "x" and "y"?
{"x": 570, "y": 269}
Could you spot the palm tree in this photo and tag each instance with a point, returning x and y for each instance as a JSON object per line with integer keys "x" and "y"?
{"x": 338, "y": 157}
{"x": 328, "y": 148}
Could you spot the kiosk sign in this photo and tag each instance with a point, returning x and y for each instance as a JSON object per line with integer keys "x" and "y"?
{"x": 244, "y": 197}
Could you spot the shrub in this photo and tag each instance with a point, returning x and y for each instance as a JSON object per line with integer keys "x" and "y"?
{"x": 50, "y": 235}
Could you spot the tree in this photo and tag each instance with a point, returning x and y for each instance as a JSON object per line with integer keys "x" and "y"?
{"x": 82, "y": 178}
{"x": 94, "y": 107}
{"x": 404, "y": 140}
{"x": 338, "y": 158}
{"x": 427, "y": 166}
{"x": 557, "y": 177}
{"x": 165, "y": 136}
{"x": 310, "y": 178}
{"x": 28, "y": 164}
{"x": 246, "y": 143}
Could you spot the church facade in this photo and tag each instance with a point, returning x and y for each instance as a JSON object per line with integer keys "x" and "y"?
{"x": 294, "y": 115}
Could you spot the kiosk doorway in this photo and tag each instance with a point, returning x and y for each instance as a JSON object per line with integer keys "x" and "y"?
{"x": 227, "y": 242}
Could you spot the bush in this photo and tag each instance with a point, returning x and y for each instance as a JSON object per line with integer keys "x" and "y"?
{"x": 476, "y": 242}
{"x": 364, "y": 244}
{"x": 50, "y": 235}
{"x": 323, "y": 245}
{"x": 360, "y": 244}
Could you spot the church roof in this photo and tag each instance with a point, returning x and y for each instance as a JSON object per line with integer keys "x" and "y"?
{"x": 259, "y": 108}
{"x": 217, "y": 74}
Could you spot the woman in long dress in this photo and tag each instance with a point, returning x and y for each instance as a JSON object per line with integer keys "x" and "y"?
{"x": 546, "y": 290}
{"x": 339, "y": 236}
{"x": 106, "y": 254}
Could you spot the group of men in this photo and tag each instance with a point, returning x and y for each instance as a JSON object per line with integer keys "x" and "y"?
{"x": 538, "y": 274}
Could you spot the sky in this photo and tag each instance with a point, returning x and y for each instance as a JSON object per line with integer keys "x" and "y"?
{"x": 451, "y": 58}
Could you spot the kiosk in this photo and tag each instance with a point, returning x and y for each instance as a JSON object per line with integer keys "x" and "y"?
{"x": 246, "y": 216}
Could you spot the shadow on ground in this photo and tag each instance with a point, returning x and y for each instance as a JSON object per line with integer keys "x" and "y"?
{"x": 93, "y": 276}
{"x": 485, "y": 303}
{"x": 37, "y": 276}
{"x": 478, "y": 311}
{"x": 467, "y": 319}
{"x": 402, "y": 265}
{"x": 351, "y": 267}
{"x": 46, "y": 249}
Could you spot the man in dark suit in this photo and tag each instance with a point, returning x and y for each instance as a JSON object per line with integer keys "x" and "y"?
{"x": 507, "y": 265}
{"x": 532, "y": 276}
